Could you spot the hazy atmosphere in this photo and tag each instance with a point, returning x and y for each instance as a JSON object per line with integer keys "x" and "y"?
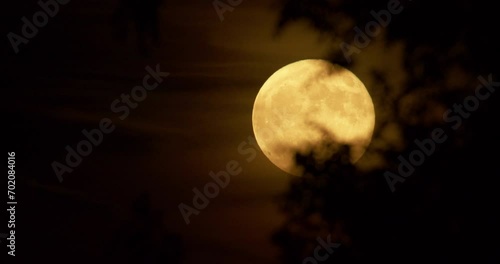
{"x": 235, "y": 131}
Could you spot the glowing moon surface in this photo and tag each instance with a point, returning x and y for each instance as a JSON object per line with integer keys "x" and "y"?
{"x": 301, "y": 101}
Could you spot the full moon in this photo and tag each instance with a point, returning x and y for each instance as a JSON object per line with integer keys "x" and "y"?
{"x": 303, "y": 100}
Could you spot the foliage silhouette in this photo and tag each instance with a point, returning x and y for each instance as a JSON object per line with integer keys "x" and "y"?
{"x": 442, "y": 212}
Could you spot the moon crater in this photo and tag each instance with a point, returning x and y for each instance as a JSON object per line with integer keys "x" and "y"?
{"x": 304, "y": 100}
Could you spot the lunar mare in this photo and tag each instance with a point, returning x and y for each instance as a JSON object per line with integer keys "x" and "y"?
{"x": 303, "y": 100}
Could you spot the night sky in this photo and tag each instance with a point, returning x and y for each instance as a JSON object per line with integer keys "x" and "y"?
{"x": 120, "y": 204}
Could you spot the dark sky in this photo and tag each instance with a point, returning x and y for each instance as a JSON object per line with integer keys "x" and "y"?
{"x": 191, "y": 125}
{"x": 66, "y": 77}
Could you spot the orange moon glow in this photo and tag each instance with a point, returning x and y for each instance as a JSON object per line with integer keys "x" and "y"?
{"x": 304, "y": 96}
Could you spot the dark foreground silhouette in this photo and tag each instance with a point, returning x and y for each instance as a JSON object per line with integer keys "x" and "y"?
{"x": 444, "y": 211}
